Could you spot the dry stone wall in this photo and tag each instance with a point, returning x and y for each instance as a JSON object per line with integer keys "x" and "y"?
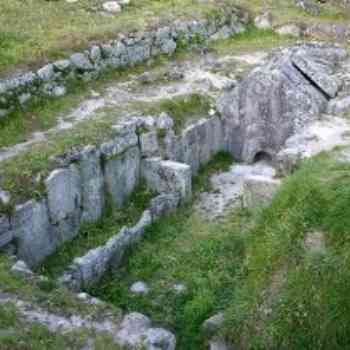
{"x": 96, "y": 176}
{"x": 53, "y": 79}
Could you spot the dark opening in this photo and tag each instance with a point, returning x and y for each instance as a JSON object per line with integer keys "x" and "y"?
{"x": 262, "y": 156}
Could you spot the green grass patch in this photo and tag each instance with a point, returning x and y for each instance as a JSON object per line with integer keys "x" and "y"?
{"x": 96, "y": 234}
{"x": 183, "y": 109}
{"x": 181, "y": 248}
{"x": 39, "y": 30}
{"x": 284, "y": 287}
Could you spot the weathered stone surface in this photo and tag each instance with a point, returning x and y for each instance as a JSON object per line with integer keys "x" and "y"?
{"x": 213, "y": 324}
{"x": 263, "y": 21}
{"x": 168, "y": 177}
{"x": 339, "y": 105}
{"x": 139, "y": 288}
{"x": 258, "y": 191}
{"x": 81, "y": 62}
{"x": 164, "y": 204}
{"x": 121, "y": 53}
{"x": 64, "y": 201}
{"x": 92, "y": 183}
{"x": 21, "y": 268}
{"x": 122, "y": 175}
{"x": 149, "y": 144}
{"x": 277, "y": 99}
{"x": 309, "y": 6}
{"x": 289, "y": 30}
{"x": 35, "y": 236}
{"x": 136, "y": 332}
{"x": 6, "y": 235}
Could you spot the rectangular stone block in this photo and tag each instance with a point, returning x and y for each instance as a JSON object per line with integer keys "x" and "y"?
{"x": 122, "y": 174}
{"x": 258, "y": 191}
{"x": 34, "y": 235}
{"x": 64, "y": 196}
{"x": 165, "y": 176}
{"x": 92, "y": 183}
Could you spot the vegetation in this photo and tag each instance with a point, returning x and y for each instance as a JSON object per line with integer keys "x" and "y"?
{"x": 96, "y": 234}
{"x": 37, "y": 31}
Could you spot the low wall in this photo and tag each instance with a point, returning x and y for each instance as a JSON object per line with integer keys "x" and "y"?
{"x": 77, "y": 192}
{"x": 53, "y": 79}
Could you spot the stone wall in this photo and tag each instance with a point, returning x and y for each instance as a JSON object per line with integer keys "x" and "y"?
{"x": 78, "y": 191}
{"x": 53, "y": 79}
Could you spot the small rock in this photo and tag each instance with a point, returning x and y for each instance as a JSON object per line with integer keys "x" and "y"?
{"x": 112, "y": 7}
{"x": 139, "y": 288}
{"x": 213, "y": 324}
{"x": 5, "y": 197}
{"x": 218, "y": 344}
{"x": 289, "y": 30}
{"x": 21, "y": 268}
{"x": 263, "y": 21}
{"x": 158, "y": 338}
{"x": 179, "y": 288}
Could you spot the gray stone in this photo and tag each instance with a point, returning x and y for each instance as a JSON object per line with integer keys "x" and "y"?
{"x": 164, "y": 204}
{"x": 149, "y": 144}
{"x": 62, "y": 65}
{"x": 35, "y": 236}
{"x": 111, "y": 6}
{"x": 136, "y": 332}
{"x": 158, "y": 338}
{"x": 168, "y": 177}
{"x": 179, "y": 288}
{"x": 218, "y": 344}
{"x": 5, "y": 197}
{"x": 6, "y": 235}
{"x": 277, "y": 99}
{"x": 95, "y": 54}
{"x": 139, "y": 288}
{"x": 23, "y": 99}
{"x": 309, "y": 6}
{"x": 81, "y": 62}
{"x": 58, "y": 91}
{"x": 213, "y": 324}
{"x": 64, "y": 200}
{"x": 292, "y": 30}
{"x": 122, "y": 175}
{"x": 21, "y": 268}
{"x": 339, "y": 105}
{"x": 46, "y": 73}
{"x": 263, "y": 21}
{"x": 258, "y": 191}
{"x": 92, "y": 183}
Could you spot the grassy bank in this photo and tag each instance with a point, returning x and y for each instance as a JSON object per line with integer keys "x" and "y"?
{"x": 293, "y": 285}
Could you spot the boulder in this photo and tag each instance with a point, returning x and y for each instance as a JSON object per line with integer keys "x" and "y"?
{"x": 258, "y": 191}
{"x": 309, "y": 6}
{"x": 164, "y": 176}
{"x": 277, "y": 99}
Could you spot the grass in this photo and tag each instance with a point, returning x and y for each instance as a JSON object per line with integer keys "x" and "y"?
{"x": 183, "y": 109}
{"x": 38, "y": 30}
{"x": 182, "y": 248}
{"x": 18, "y": 334}
{"x": 284, "y": 288}
{"x": 252, "y": 39}
{"x": 96, "y": 234}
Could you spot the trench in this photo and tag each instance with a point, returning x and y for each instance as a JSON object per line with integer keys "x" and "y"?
{"x": 188, "y": 260}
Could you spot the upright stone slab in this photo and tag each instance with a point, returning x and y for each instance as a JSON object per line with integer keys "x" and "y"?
{"x": 165, "y": 176}
{"x": 93, "y": 197}
{"x": 64, "y": 200}
{"x": 6, "y": 234}
{"x": 122, "y": 175}
{"x": 34, "y": 235}
{"x": 190, "y": 148}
